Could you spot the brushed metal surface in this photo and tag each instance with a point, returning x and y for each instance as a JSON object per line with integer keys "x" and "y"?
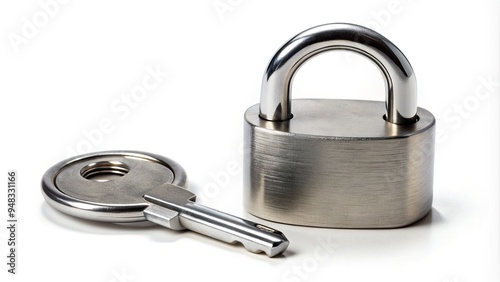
{"x": 338, "y": 163}
{"x": 400, "y": 82}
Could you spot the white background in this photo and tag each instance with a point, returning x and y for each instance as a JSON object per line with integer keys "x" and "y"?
{"x": 65, "y": 75}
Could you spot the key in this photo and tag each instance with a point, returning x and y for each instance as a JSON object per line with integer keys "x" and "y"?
{"x": 175, "y": 208}
{"x": 131, "y": 186}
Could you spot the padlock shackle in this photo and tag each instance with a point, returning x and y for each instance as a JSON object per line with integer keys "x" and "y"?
{"x": 401, "y": 85}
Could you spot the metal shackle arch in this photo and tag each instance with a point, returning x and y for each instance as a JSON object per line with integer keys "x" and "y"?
{"x": 400, "y": 81}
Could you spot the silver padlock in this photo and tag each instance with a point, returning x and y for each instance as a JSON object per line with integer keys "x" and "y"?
{"x": 339, "y": 163}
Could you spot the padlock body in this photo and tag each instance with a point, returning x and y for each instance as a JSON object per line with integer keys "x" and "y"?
{"x": 338, "y": 163}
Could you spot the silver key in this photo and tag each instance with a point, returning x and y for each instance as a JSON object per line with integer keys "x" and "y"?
{"x": 130, "y": 186}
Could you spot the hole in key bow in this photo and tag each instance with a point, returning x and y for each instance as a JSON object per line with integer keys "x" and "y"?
{"x": 104, "y": 171}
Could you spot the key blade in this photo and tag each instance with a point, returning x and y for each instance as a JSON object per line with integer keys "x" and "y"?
{"x": 231, "y": 229}
{"x": 172, "y": 206}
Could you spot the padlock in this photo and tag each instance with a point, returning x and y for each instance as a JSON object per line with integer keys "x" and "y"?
{"x": 339, "y": 163}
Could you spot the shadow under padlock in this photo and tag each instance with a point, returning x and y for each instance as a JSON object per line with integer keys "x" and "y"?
{"x": 326, "y": 165}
